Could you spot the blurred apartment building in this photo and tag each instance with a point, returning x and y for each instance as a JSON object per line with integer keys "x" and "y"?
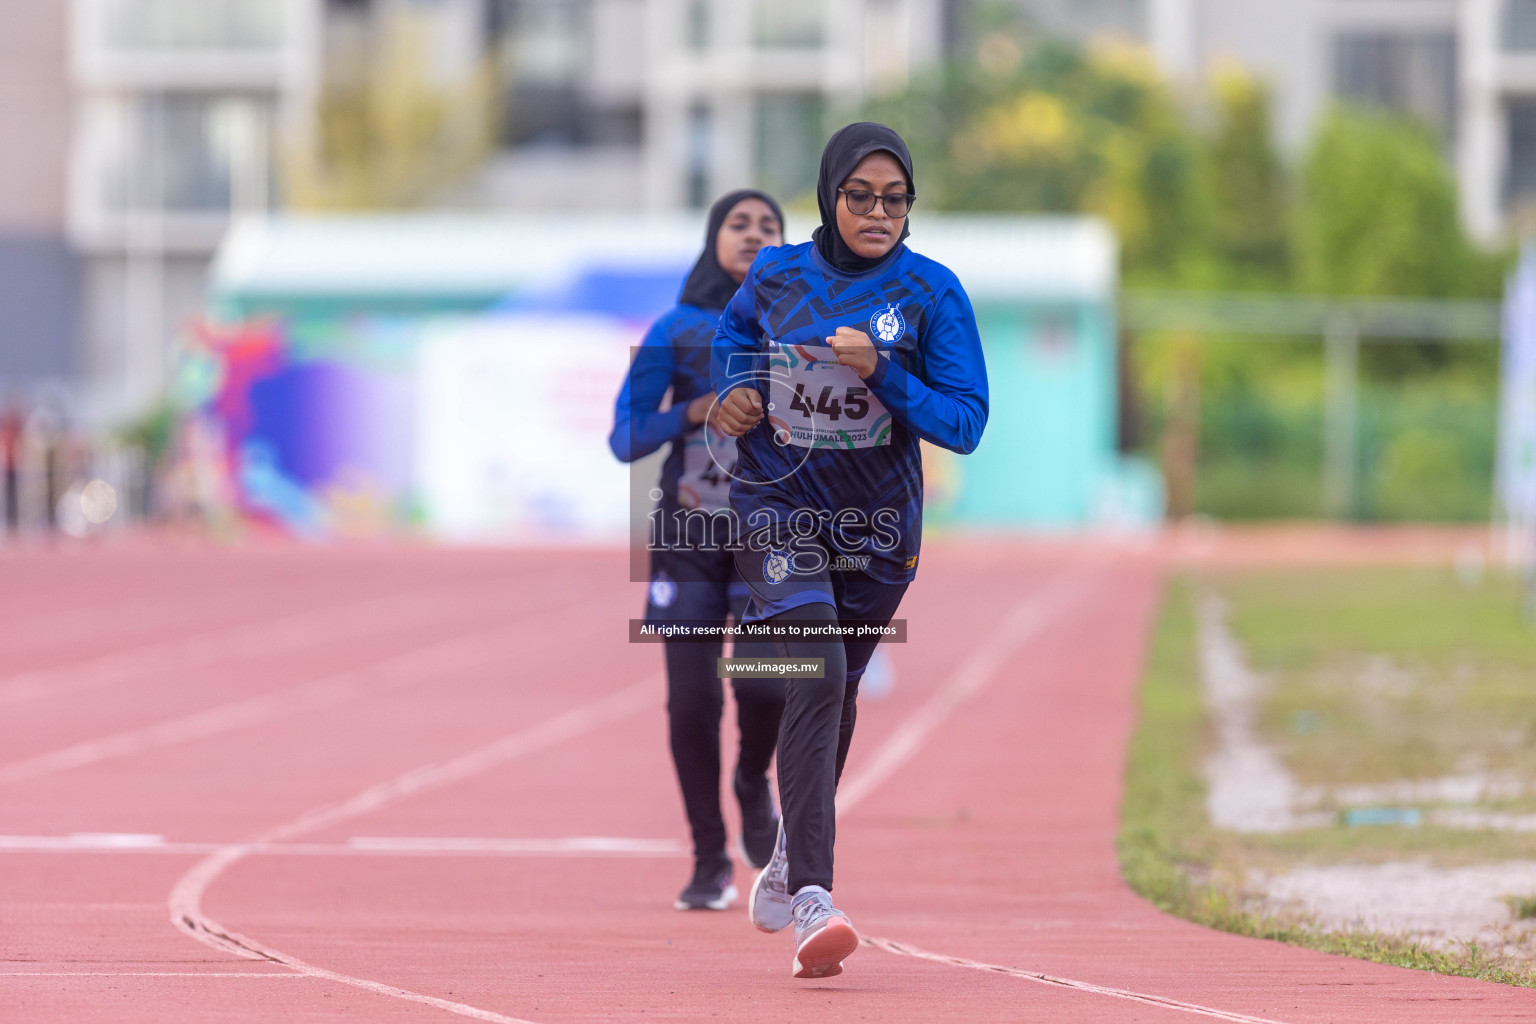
{"x": 177, "y": 109}
{"x": 1467, "y": 68}
{"x": 39, "y": 279}
{"x": 133, "y": 130}
{"x": 718, "y": 92}
{"x": 661, "y": 104}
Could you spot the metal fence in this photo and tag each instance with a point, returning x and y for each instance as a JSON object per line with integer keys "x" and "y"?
{"x": 1350, "y": 426}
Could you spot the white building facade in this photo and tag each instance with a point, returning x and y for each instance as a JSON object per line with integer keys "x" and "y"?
{"x": 181, "y": 114}
{"x": 179, "y": 109}
{"x": 662, "y": 104}
{"x": 189, "y": 113}
{"x": 1497, "y": 151}
{"x": 1466, "y": 68}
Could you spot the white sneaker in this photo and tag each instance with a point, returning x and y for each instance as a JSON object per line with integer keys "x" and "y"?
{"x": 768, "y": 905}
{"x": 824, "y": 937}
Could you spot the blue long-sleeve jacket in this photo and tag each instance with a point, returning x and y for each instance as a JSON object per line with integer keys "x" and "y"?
{"x": 673, "y": 355}
{"x": 828, "y": 447}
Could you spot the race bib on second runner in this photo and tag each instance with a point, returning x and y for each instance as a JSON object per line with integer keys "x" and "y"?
{"x": 816, "y": 402}
{"x": 709, "y": 460}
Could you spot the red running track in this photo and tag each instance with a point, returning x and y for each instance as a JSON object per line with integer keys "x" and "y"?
{"x": 279, "y": 784}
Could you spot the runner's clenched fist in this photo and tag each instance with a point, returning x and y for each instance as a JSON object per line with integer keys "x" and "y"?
{"x": 740, "y": 411}
{"x": 855, "y": 350}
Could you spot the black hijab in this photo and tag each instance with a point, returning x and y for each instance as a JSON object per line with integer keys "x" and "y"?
{"x": 844, "y": 150}
{"x": 708, "y": 285}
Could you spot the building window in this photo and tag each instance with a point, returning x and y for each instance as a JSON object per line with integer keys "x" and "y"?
{"x": 542, "y": 49}
{"x": 1519, "y": 25}
{"x": 789, "y": 23}
{"x": 699, "y": 140}
{"x": 698, "y": 25}
{"x": 1520, "y": 169}
{"x": 1078, "y": 19}
{"x": 790, "y": 132}
{"x": 189, "y": 24}
{"x": 177, "y": 152}
{"x": 1411, "y": 74}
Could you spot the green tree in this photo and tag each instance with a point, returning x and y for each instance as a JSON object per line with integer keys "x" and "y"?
{"x": 1247, "y": 186}
{"x": 387, "y": 132}
{"x": 1378, "y": 213}
{"x": 1051, "y": 128}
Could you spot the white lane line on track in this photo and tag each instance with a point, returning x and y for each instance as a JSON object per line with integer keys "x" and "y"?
{"x": 85, "y": 841}
{"x": 150, "y": 974}
{"x": 367, "y": 846}
{"x": 902, "y": 949}
{"x": 83, "y": 619}
{"x": 1022, "y": 624}
{"x": 456, "y": 654}
{"x": 284, "y": 634}
{"x": 461, "y": 652}
{"x": 185, "y": 901}
{"x": 564, "y": 846}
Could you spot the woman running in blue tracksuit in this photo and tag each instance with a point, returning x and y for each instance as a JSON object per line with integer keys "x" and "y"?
{"x": 832, "y": 361}
{"x": 690, "y": 582}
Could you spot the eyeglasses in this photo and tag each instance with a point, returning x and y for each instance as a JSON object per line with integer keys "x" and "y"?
{"x": 861, "y": 201}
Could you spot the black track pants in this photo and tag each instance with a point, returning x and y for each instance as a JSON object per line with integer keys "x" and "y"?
{"x": 817, "y": 728}
{"x": 695, "y": 701}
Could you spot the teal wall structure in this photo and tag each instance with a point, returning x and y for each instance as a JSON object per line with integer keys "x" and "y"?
{"x": 1044, "y": 289}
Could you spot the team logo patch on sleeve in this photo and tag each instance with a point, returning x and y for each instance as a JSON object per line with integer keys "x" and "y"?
{"x": 777, "y": 566}
{"x": 887, "y": 324}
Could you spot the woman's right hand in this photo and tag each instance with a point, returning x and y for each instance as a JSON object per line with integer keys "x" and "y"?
{"x": 740, "y": 411}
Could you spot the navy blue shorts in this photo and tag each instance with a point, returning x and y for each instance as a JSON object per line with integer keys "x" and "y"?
{"x": 694, "y": 587}
{"x": 783, "y": 578}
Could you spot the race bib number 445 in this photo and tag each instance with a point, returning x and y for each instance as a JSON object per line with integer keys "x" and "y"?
{"x": 816, "y": 402}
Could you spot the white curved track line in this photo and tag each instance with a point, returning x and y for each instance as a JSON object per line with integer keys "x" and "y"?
{"x": 457, "y": 654}
{"x": 1021, "y": 625}
{"x": 901, "y": 949}
{"x": 185, "y": 901}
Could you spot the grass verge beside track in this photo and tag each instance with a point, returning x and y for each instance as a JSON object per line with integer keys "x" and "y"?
{"x": 1171, "y": 855}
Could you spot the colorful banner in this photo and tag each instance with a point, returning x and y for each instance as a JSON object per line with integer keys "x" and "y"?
{"x": 313, "y": 424}
{"x": 514, "y": 413}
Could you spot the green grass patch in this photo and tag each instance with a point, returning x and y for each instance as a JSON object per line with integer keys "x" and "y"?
{"x": 1390, "y": 674}
{"x": 1171, "y": 855}
{"x": 1522, "y": 908}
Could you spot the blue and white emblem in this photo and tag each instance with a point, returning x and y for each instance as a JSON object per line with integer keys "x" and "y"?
{"x": 887, "y": 324}
{"x": 777, "y": 566}
{"x": 663, "y": 591}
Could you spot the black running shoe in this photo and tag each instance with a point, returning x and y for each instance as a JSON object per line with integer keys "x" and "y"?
{"x": 759, "y": 821}
{"x": 711, "y": 888}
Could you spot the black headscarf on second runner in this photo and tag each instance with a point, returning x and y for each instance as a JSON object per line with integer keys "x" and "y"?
{"x": 708, "y": 285}
{"x": 845, "y": 149}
